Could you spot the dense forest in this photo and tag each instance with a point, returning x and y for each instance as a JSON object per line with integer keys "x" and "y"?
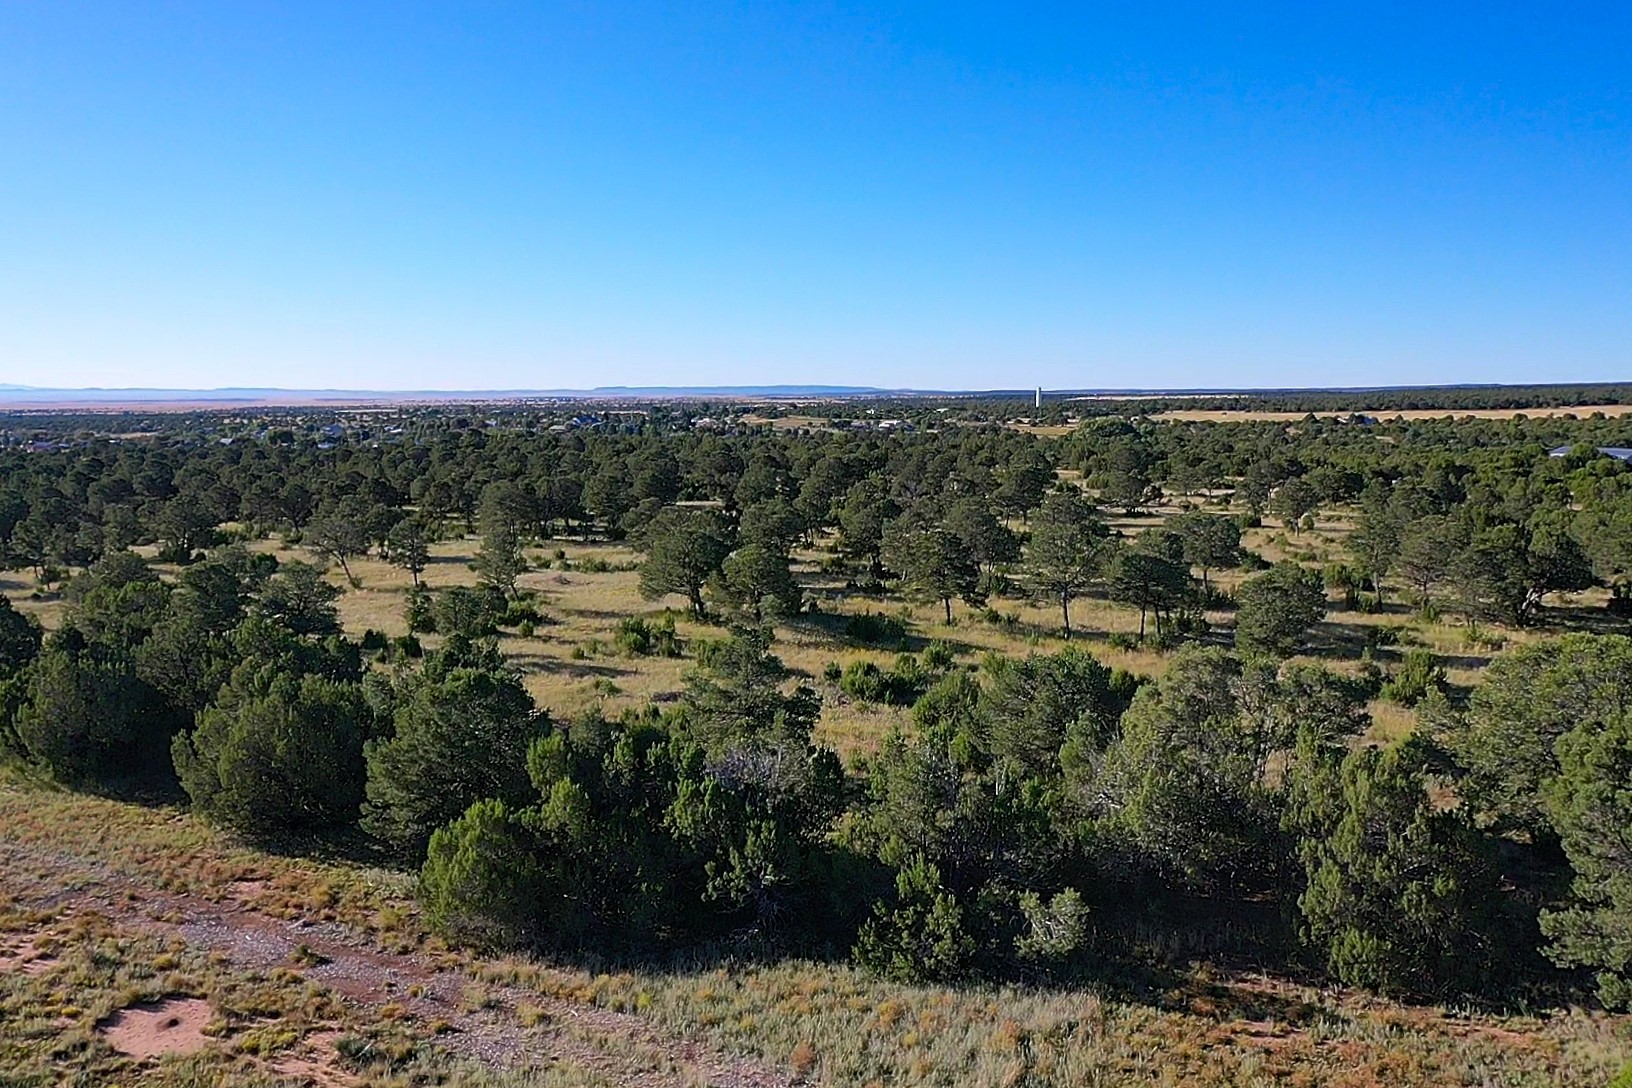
{"x": 1034, "y": 813}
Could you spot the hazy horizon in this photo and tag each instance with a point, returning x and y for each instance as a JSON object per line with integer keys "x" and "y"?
{"x": 947, "y": 198}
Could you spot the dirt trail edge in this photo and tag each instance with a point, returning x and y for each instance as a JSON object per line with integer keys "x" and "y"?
{"x": 622, "y": 1047}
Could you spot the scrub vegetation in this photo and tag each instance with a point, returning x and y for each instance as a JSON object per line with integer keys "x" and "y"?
{"x": 936, "y": 741}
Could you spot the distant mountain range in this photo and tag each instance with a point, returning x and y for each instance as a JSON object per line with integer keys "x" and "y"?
{"x": 25, "y": 394}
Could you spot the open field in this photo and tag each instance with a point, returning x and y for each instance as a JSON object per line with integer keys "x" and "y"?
{"x": 319, "y": 973}
{"x": 1199, "y": 415}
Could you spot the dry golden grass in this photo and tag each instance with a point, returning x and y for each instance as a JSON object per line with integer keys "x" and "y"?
{"x": 1389, "y": 722}
{"x": 45, "y": 606}
{"x": 789, "y": 423}
{"x": 571, "y": 663}
{"x": 1041, "y": 430}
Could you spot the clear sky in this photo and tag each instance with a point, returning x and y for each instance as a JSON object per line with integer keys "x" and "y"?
{"x": 488, "y": 195}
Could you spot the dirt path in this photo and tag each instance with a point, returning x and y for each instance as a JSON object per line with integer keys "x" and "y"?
{"x": 624, "y": 1048}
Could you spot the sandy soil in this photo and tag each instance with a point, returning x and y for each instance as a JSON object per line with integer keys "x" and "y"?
{"x": 172, "y": 1026}
{"x": 27, "y": 956}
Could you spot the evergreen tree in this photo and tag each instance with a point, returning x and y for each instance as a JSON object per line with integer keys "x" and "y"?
{"x": 1274, "y": 609}
{"x": 867, "y": 508}
{"x": 1210, "y": 541}
{"x": 1154, "y": 583}
{"x": 480, "y": 882}
{"x": 1375, "y": 540}
{"x": 341, "y": 531}
{"x": 684, "y": 549}
{"x": 409, "y": 546}
{"x": 1069, "y": 546}
{"x": 988, "y": 540}
{"x": 88, "y": 719}
{"x": 755, "y": 582}
{"x": 278, "y": 752}
{"x": 460, "y": 733}
{"x": 499, "y": 560}
{"x": 20, "y": 638}
{"x": 298, "y": 598}
{"x": 1399, "y": 894}
{"x": 1591, "y": 808}
{"x": 933, "y": 563}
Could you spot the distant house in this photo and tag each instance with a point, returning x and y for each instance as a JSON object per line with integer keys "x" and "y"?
{"x": 1620, "y": 453}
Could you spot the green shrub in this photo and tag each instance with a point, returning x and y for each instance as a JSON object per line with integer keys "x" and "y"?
{"x": 458, "y": 735}
{"x": 939, "y": 656}
{"x": 897, "y": 686}
{"x": 993, "y": 583}
{"x": 407, "y": 647}
{"x": 1418, "y": 674}
{"x": 1383, "y": 635}
{"x": 1055, "y": 930}
{"x": 519, "y": 612}
{"x": 922, "y": 936}
{"x": 277, "y": 755}
{"x": 1342, "y": 578}
{"x": 637, "y": 636}
{"x": 478, "y": 884}
{"x": 89, "y": 720}
{"x": 1252, "y": 561}
{"x": 420, "y": 614}
{"x": 1399, "y": 894}
{"x": 468, "y": 611}
{"x": 875, "y": 629}
{"x": 865, "y": 681}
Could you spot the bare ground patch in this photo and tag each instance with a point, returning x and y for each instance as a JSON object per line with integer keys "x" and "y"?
{"x": 316, "y": 1062}
{"x": 174, "y": 1025}
{"x": 31, "y": 955}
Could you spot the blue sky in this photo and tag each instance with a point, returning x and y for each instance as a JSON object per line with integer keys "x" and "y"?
{"x": 940, "y": 196}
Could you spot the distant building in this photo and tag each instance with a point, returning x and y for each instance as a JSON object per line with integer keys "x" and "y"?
{"x": 1620, "y": 453}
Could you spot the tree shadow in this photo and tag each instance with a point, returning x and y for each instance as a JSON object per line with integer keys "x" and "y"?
{"x": 576, "y": 670}
{"x": 1346, "y": 641}
{"x": 1585, "y": 618}
{"x": 837, "y": 629}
